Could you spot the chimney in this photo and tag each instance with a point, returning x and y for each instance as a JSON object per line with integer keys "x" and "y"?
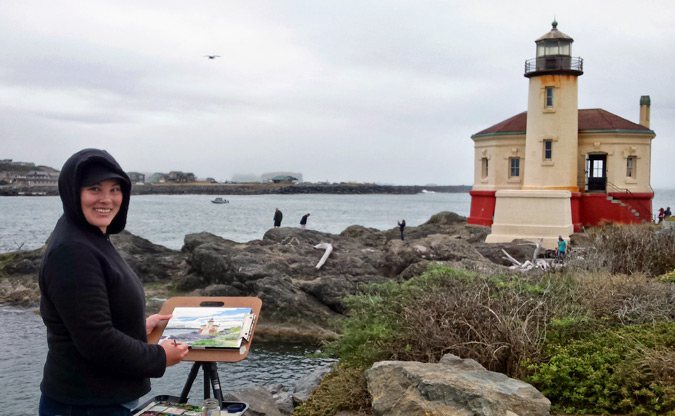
{"x": 645, "y": 102}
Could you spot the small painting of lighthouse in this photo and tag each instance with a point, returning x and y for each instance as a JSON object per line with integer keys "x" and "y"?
{"x": 209, "y": 327}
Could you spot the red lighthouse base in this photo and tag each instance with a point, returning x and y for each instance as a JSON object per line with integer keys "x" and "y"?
{"x": 588, "y": 208}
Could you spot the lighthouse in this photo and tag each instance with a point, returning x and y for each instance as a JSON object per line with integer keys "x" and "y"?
{"x": 555, "y": 169}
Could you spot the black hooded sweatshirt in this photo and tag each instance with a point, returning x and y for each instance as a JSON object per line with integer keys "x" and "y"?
{"x": 93, "y": 304}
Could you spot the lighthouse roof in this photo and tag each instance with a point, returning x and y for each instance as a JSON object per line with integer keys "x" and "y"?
{"x": 595, "y": 119}
{"x": 554, "y": 34}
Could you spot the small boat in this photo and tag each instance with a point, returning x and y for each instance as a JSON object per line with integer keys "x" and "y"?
{"x": 220, "y": 200}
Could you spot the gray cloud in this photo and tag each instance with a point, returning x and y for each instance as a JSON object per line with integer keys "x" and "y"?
{"x": 384, "y": 91}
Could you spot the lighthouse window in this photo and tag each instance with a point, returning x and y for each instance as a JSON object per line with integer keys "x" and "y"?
{"x": 514, "y": 163}
{"x": 565, "y": 49}
{"x": 548, "y": 149}
{"x": 549, "y": 97}
{"x": 552, "y": 49}
{"x": 630, "y": 167}
{"x": 484, "y": 167}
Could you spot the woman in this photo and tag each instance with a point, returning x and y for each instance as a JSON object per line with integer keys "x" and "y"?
{"x": 93, "y": 304}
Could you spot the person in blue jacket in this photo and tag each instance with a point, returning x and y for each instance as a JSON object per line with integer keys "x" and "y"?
{"x": 93, "y": 305}
{"x": 562, "y": 247}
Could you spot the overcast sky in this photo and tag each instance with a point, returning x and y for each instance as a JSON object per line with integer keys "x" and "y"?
{"x": 369, "y": 91}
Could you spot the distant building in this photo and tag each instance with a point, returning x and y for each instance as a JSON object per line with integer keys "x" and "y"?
{"x": 245, "y": 178}
{"x": 180, "y": 177}
{"x": 5, "y": 161}
{"x": 267, "y": 177}
{"x": 136, "y": 177}
{"x": 554, "y": 169}
{"x": 283, "y": 179}
{"x": 40, "y": 178}
{"x": 158, "y": 177}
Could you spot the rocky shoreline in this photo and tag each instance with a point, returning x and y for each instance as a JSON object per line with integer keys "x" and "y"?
{"x": 300, "y": 302}
{"x": 305, "y": 303}
{"x": 251, "y": 189}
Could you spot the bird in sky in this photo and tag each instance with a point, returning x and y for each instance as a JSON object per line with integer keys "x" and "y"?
{"x": 212, "y": 56}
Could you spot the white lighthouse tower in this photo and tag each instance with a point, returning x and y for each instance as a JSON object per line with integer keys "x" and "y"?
{"x": 541, "y": 208}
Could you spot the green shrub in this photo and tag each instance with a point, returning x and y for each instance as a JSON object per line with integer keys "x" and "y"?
{"x": 497, "y": 320}
{"x": 369, "y": 332}
{"x": 629, "y": 370}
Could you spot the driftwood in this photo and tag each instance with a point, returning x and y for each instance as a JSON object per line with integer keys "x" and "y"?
{"x": 329, "y": 248}
{"x": 535, "y": 263}
{"x": 511, "y": 259}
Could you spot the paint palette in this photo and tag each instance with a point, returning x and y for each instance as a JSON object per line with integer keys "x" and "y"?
{"x": 162, "y": 406}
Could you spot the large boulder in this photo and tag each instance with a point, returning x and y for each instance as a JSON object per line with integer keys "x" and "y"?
{"x": 19, "y": 291}
{"x": 442, "y": 223}
{"x": 260, "y": 401}
{"x": 451, "y": 387}
{"x": 303, "y": 387}
{"x": 399, "y": 255}
{"x": 151, "y": 262}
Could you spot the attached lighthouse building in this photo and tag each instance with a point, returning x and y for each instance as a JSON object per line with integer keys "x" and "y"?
{"x": 554, "y": 169}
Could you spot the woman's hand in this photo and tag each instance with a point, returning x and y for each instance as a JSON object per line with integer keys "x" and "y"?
{"x": 175, "y": 352}
{"x": 152, "y": 321}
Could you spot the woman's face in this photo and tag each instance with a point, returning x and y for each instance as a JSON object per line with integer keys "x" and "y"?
{"x": 101, "y": 202}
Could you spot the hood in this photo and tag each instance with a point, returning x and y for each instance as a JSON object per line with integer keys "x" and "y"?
{"x": 70, "y": 183}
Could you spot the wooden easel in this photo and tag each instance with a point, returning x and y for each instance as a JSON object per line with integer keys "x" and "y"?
{"x": 207, "y": 359}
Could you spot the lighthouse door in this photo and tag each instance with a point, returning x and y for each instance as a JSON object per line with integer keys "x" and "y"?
{"x": 596, "y": 171}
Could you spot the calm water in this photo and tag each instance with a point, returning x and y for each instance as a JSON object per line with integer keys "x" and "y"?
{"x": 165, "y": 219}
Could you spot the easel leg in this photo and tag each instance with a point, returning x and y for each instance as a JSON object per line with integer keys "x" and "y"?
{"x": 211, "y": 381}
{"x": 215, "y": 380}
{"x": 188, "y": 383}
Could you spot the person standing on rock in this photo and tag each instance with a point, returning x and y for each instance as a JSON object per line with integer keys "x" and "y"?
{"x": 401, "y": 226}
{"x": 303, "y": 221}
{"x": 278, "y": 216}
{"x": 92, "y": 303}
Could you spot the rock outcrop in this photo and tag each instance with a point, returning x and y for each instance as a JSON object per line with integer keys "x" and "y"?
{"x": 281, "y": 267}
{"x": 451, "y": 387}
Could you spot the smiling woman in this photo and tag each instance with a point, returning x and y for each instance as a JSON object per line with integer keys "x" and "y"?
{"x": 101, "y": 196}
{"x": 101, "y": 203}
{"x": 92, "y": 303}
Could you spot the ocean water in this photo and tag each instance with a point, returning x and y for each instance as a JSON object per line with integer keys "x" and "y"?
{"x": 25, "y": 222}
